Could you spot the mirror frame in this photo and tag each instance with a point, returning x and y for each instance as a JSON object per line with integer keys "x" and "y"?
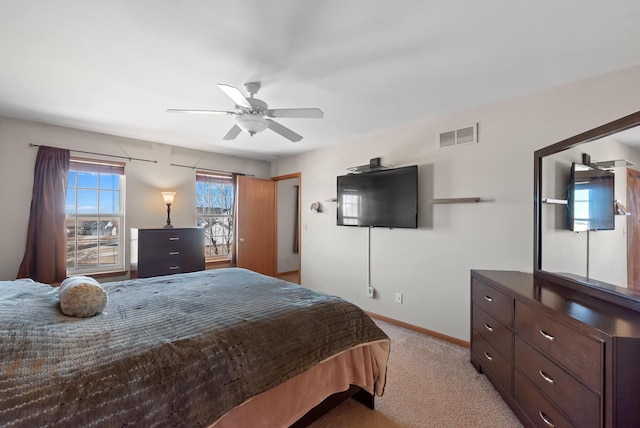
{"x": 618, "y": 295}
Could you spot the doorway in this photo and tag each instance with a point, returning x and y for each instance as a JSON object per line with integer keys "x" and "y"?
{"x": 288, "y": 260}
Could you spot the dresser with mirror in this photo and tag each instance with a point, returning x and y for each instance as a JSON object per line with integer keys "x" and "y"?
{"x": 562, "y": 344}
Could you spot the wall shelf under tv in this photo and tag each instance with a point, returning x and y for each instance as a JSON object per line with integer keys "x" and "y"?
{"x": 455, "y": 200}
{"x": 555, "y": 201}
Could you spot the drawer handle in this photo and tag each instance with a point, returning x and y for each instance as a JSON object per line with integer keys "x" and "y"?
{"x": 174, "y": 238}
{"x": 174, "y": 267}
{"x": 488, "y": 327}
{"x": 547, "y": 377}
{"x": 488, "y": 299}
{"x": 546, "y": 419}
{"x": 489, "y": 357}
{"x": 174, "y": 253}
{"x": 547, "y": 336}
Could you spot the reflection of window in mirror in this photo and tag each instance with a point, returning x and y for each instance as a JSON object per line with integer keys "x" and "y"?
{"x": 581, "y": 208}
{"x": 351, "y": 208}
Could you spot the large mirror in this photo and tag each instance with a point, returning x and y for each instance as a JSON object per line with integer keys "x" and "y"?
{"x": 587, "y": 212}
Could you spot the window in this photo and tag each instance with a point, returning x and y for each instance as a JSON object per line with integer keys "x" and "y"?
{"x": 95, "y": 216}
{"x": 214, "y": 213}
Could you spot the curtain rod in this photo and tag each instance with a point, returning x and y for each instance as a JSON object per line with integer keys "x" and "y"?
{"x": 98, "y": 154}
{"x": 209, "y": 169}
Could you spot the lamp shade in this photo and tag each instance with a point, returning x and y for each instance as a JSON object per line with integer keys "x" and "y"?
{"x": 251, "y": 123}
{"x": 168, "y": 197}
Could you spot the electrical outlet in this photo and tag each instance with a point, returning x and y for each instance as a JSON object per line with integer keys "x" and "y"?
{"x": 370, "y": 292}
{"x": 399, "y": 298}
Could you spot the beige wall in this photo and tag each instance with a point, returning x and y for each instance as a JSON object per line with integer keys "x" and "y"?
{"x": 430, "y": 265}
{"x": 144, "y": 181}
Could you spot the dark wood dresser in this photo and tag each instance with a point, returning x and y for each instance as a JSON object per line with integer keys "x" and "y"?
{"x": 157, "y": 252}
{"x": 558, "y": 357}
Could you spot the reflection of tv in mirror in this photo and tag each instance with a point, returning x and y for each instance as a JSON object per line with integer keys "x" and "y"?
{"x": 590, "y": 200}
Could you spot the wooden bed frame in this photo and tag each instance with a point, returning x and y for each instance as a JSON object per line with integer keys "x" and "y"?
{"x": 333, "y": 401}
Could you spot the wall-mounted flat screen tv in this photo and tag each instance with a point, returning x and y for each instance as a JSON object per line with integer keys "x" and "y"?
{"x": 591, "y": 200}
{"x": 383, "y": 198}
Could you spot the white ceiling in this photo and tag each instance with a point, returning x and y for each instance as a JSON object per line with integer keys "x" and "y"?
{"x": 371, "y": 65}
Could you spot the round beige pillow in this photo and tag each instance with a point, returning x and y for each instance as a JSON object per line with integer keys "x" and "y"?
{"x": 82, "y": 296}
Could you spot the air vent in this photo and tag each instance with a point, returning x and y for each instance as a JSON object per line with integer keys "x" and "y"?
{"x": 459, "y": 137}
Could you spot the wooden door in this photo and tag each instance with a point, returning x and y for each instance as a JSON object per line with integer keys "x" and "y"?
{"x": 633, "y": 229}
{"x": 256, "y": 230}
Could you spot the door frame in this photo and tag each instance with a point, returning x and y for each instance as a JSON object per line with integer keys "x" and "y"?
{"x": 297, "y": 175}
{"x": 633, "y": 227}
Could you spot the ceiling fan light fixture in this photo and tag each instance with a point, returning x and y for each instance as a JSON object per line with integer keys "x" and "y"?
{"x": 254, "y": 115}
{"x": 251, "y": 123}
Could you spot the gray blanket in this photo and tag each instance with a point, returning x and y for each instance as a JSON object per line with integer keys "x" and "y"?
{"x": 177, "y": 350}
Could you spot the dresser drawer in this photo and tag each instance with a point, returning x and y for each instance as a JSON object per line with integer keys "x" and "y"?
{"x": 491, "y": 361}
{"x": 169, "y": 253}
{"x": 175, "y": 238}
{"x": 558, "y": 386}
{"x": 494, "y": 302}
{"x": 498, "y": 336}
{"x": 576, "y": 352}
{"x": 159, "y": 269}
{"x": 540, "y": 411}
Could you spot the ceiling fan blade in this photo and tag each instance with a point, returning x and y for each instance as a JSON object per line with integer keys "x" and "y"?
{"x": 305, "y": 113}
{"x": 284, "y": 131}
{"x": 233, "y": 133}
{"x": 179, "y": 110}
{"x": 235, "y": 94}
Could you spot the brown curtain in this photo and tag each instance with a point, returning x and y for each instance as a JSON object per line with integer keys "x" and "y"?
{"x": 45, "y": 258}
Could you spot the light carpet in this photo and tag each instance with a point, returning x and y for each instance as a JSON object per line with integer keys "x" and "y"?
{"x": 430, "y": 383}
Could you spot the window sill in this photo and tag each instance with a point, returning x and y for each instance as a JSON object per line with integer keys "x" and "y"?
{"x": 100, "y": 275}
{"x": 217, "y": 263}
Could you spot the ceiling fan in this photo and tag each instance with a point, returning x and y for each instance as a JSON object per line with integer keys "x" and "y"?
{"x": 254, "y": 115}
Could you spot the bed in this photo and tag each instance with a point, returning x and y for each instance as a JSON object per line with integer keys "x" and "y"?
{"x": 218, "y": 348}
